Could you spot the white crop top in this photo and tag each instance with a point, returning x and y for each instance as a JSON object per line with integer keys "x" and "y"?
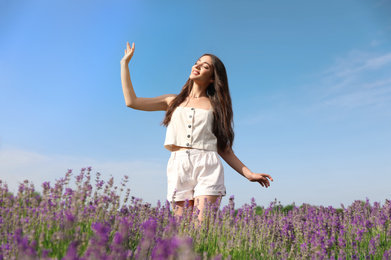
{"x": 191, "y": 127}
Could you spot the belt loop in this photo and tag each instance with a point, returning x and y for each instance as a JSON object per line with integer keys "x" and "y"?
{"x": 173, "y": 155}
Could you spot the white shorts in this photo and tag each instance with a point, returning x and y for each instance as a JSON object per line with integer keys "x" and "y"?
{"x": 192, "y": 173}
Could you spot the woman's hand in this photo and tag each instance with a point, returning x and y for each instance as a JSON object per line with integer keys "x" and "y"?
{"x": 128, "y": 53}
{"x": 262, "y": 178}
{"x": 229, "y": 156}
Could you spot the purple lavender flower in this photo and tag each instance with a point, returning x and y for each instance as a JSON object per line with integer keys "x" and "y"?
{"x": 102, "y": 231}
{"x": 69, "y": 216}
{"x": 140, "y": 231}
{"x": 118, "y": 238}
{"x": 71, "y": 253}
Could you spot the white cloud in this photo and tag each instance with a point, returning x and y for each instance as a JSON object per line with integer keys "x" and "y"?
{"x": 357, "y": 80}
{"x": 378, "y": 83}
{"x": 354, "y": 81}
{"x": 376, "y": 62}
{"x": 356, "y": 62}
{"x": 361, "y": 98}
{"x": 374, "y": 43}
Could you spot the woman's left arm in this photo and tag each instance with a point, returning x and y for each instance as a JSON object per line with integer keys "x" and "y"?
{"x": 229, "y": 156}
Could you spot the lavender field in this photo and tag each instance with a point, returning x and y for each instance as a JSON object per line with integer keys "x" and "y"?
{"x": 96, "y": 220}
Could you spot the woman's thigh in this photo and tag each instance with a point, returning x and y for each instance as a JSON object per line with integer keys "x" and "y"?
{"x": 204, "y": 200}
{"x": 181, "y": 205}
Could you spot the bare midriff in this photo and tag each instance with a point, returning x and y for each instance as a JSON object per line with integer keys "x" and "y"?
{"x": 175, "y": 148}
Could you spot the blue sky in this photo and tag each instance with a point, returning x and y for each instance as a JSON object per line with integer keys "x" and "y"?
{"x": 310, "y": 83}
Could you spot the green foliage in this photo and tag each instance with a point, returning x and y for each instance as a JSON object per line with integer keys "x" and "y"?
{"x": 91, "y": 223}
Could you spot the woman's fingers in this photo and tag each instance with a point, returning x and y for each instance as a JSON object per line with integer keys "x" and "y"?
{"x": 128, "y": 53}
{"x": 129, "y": 49}
{"x": 263, "y": 180}
{"x": 128, "y": 46}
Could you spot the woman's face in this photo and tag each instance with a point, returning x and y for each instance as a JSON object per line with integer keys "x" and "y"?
{"x": 202, "y": 70}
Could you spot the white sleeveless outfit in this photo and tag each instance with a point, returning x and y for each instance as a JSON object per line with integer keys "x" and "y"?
{"x": 191, "y": 127}
{"x": 197, "y": 171}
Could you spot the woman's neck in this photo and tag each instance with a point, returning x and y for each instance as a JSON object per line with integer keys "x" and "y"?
{"x": 198, "y": 91}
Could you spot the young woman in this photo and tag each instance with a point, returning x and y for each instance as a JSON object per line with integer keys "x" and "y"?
{"x": 199, "y": 128}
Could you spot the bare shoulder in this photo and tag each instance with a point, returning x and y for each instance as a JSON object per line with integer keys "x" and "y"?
{"x": 169, "y": 98}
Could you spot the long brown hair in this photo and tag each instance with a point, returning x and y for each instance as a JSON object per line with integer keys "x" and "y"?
{"x": 220, "y": 98}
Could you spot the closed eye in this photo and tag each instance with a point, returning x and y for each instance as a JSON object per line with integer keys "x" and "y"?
{"x": 206, "y": 65}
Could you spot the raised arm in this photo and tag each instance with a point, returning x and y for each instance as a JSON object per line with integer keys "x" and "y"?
{"x": 229, "y": 156}
{"x": 131, "y": 100}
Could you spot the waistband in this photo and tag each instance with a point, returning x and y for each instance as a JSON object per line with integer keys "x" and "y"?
{"x": 189, "y": 152}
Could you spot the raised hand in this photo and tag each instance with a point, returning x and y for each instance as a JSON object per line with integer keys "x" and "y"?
{"x": 262, "y": 178}
{"x": 128, "y": 53}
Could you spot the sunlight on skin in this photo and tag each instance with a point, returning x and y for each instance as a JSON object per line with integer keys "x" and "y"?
{"x": 180, "y": 205}
{"x": 201, "y": 203}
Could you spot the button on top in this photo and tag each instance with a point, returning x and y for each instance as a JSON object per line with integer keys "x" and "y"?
{"x": 189, "y": 126}
{"x": 192, "y": 108}
{"x": 188, "y": 136}
{"x": 187, "y": 144}
{"x": 190, "y": 116}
